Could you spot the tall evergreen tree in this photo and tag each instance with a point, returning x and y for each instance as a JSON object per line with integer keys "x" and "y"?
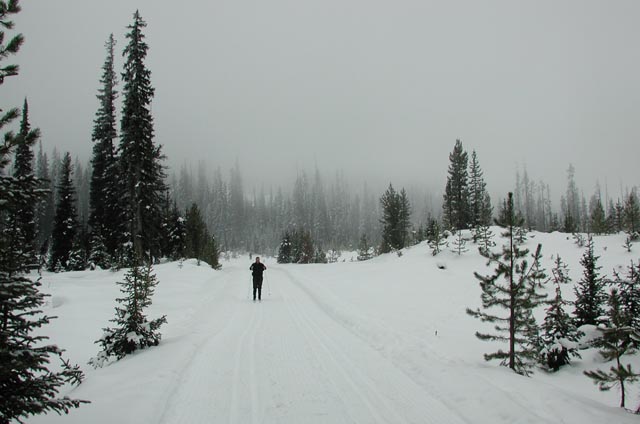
{"x": 65, "y": 224}
{"x": 196, "y": 234}
{"x": 45, "y": 207}
{"x": 632, "y": 215}
{"x": 23, "y": 171}
{"x": 140, "y": 159}
{"x": 27, "y": 386}
{"x": 517, "y": 294}
{"x": 456, "y": 195}
{"x": 597, "y": 220}
{"x": 590, "y": 290}
{"x": 479, "y": 200}
{"x": 105, "y": 206}
{"x": 396, "y": 214}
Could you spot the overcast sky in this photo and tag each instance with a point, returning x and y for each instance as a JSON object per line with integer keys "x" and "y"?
{"x": 381, "y": 89}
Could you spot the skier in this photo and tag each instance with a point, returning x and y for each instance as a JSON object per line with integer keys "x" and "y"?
{"x": 257, "y": 268}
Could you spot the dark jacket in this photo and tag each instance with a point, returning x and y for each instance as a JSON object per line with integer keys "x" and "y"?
{"x": 257, "y": 269}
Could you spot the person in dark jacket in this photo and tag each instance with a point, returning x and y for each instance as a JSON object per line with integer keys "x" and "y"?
{"x": 257, "y": 268}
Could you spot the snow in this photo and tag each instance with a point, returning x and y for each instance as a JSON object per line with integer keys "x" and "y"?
{"x": 381, "y": 341}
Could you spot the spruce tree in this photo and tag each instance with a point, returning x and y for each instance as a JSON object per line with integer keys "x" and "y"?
{"x": 364, "y": 250}
{"x": 285, "y": 249}
{"x": 133, "y": 330}
{"x": 404, "y": 221}
{"x": 590, "y": 290}
{"x": 196, "y": 234}
{"x": 396, "y": 219}
{"x": 517, "y": 294}
{"x": 45, "y": 207}
{"x": 632, "y": 215}
{"x": 436, "y": 237}
{"x": 211, "y": 253}
{"x": 560, "y": 334}
{"x": 629, "y": 291}
{"x": 390, "y": 220}
{"x": 105, "y": 205}
{"x": 23, "y": 172}
{"x": 65, "y": 224}
{"x": 597, "y": 220}
{"x": 479, "y": 199}
{"x": 456, "y": 196}
{"x": 27, "y": 386}
{"x": 140, "y": 159}
{"x": 618, "y": 339}
{"x": 459, "y": 243}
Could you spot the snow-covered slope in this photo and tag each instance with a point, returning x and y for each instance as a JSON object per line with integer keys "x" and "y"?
{"x": 382, "y": 341}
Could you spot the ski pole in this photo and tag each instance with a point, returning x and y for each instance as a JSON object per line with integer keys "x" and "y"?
{"x": 268, "y": 285}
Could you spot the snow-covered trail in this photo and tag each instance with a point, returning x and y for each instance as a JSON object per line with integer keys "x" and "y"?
{"x": 385, "y": 341}
{"x": 286, "y": 360}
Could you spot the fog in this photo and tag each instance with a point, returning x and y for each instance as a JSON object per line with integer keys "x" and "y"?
{"x": 379, "y": 89}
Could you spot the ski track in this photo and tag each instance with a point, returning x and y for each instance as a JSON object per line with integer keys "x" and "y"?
{"x": 287, "y": 360}
{"x": 358, "y": 371}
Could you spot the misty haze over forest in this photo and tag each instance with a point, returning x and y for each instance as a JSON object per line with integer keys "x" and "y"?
{"x": 377, "y": 91}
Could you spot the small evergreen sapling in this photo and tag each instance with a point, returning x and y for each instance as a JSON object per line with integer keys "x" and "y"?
{"x": 627, "y": 244}
{"x": 459, "y": 244}
{"x": 436, "y": 237}
{"x": 560, "y": 334}
{"x": 364, "y": 250}
{"x": 133, "y": 330}
{"x": 618, "y": 339}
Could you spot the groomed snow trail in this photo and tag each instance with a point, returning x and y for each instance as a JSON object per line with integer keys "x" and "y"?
{"x": 286, "y": 360}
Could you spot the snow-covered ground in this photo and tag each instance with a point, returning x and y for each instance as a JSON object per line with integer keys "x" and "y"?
{"x": 382, "y": 341}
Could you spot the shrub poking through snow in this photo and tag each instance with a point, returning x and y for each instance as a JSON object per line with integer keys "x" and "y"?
{"x": 133, "y": 331}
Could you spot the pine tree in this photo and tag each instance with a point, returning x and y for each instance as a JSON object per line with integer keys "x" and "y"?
{"x": 627, "y": 244}
{"x": 479, "y": 199}
{"x": 196, "y": 234}
{"x": 590, "y": 290}
{"x": 65, "y": 225}
{"x": 45, "y": 207}
{"x": 456, "y": 196}
{"x": 518, "y": 295}
{"x": 459, "y": 243}
{"x": 436, "y": 237}
{"x": 618, "y": 339}
{"x": 140, "y": 159}
{"x": 133, "y": 330}
{"x": 23, "y": 172}
{"x": 560, "y": 334}
{"x": 364, "y": 250}
{"x": 105, "y": 204}
{"x": 211, "y": 254}
{"x": 632, "y": 215}
{"x": 396, "y": 214}
{"x": 285, "y": 250}
{"x": 404, "y": 221}
{"x": 27, "y": 386}
{"x": 629, "y": 291}
{"x": 597, "y": 220}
